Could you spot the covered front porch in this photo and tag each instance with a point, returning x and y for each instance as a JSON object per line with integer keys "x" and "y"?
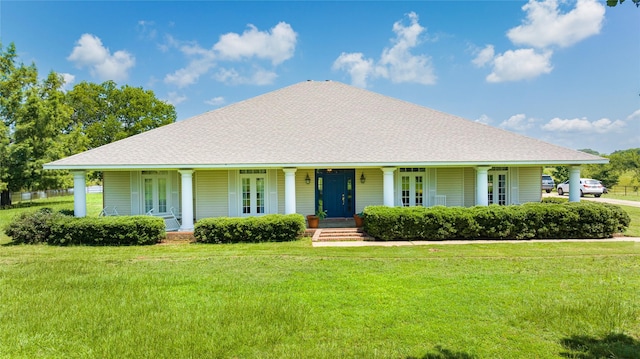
{"x": 341, "y": 192}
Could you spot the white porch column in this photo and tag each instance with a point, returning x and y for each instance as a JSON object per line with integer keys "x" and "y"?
{"x": 482, "y": 186}
{"x": 187, "y": 200}
{"x": 574, "y": 183}
{"x": 387, "y": 183}
{"x": 289, "y": 190}
{"x": 79, "y": 193}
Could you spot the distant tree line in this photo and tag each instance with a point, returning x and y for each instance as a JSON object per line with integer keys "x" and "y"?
{"x": 620, "y": 162}
{"x": 40, "y": 122}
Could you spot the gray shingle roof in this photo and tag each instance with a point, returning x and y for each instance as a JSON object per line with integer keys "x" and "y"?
{"x": 323, "y": 123}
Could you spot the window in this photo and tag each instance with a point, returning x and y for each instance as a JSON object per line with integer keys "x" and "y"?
{"x": 155, "y": 185}
{"x": 497, "y": 187}
{"x": 252, "y": 188}
{"x": 412, "y": 186}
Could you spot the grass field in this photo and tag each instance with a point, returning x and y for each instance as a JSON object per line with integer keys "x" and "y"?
{"x": 290, "y": 300}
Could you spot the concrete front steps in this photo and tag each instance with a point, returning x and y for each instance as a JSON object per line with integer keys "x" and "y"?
{"x": 340, "y": 234}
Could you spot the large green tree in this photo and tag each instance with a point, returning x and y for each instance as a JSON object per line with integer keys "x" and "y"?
{"x": 39, "y": 122}
{"x": 627, "y": 160}
{"x": 106, "y": 113}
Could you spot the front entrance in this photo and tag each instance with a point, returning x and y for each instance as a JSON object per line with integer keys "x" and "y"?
{"x": 335, "y": 192}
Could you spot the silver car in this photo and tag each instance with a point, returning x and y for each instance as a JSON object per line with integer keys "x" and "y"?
{"x": 547, "y": 183}
{"x": 587, "y": 186}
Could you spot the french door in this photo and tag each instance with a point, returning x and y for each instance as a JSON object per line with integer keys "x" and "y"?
{"x": 497, "y": 187}
{"x": 155, "y": 186}
{"x": 412, "y": 186}
{"x": 252, "y": 187}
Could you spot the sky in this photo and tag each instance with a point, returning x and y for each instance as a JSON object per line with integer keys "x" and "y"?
{"x": 564, "y": 72}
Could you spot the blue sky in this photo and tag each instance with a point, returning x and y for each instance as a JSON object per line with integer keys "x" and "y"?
{"x": 565, "y": 72}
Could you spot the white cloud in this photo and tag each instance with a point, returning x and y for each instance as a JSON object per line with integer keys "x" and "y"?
{"x": 546, "y": 26}
{"x": 233, "y": 77}
{"x": 521, "y": 64}
{"x": 356, "y": 65}
{"x": 484, "y": 119}
{"x": 634, "y": 116}
{"x": 484, "y": 56}
{"x": 216, "y": 101}
{"x": 276, "y": 45}
{"x": 518, "y": 122}
{"x": 396, "y": 63}
{"x": 89, "y": 52}
{"x": 174, "y": 98}
{"x": 603, "y": 125}
{"x": 146, "y": 29}
{"x": 68, "y": 80}
{"x": 189, "y": 75}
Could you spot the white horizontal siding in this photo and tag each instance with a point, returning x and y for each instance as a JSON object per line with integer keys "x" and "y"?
{"x": 469, "y": 187}
{"x": 450, "y": 183}
{"x": 117, "y": 191}
{"x": 371, "y": 192}
{"x": 530, "y": 188}
{"x": 211, "y": 194}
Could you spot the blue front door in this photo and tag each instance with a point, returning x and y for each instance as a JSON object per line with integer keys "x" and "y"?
{"x": 335, "y": 192}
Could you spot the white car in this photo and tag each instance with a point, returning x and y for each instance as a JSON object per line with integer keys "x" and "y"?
{"x": 587, "y": 186}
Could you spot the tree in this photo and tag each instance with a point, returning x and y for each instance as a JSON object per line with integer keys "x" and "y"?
{"x": 106, "y": 113}
{"x": 627, "y": 160}
{"x": 613, "y": 3}
{"x": 39, "y": 136}
{"x": 40, "y": 123}
{"x": 15, "y": 80}
{"x": 605, "y": 173}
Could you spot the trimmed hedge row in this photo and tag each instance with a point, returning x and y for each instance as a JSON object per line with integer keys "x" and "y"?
{"x": 268, "y": 228}
{"x": 527, "y": 221}
{"x": 46, "y": 226}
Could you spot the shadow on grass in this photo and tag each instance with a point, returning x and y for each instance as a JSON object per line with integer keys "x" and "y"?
{"x": 34, "y": 204}
{"x": 442, "y": 353}
{"x": 611, "y": 346}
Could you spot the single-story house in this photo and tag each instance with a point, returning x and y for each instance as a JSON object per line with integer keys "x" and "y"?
{"x": 318, "y": 145}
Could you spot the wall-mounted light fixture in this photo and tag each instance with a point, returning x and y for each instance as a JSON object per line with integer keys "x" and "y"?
{"x": 307, "y": 179}
{"x": 363, "y": 179}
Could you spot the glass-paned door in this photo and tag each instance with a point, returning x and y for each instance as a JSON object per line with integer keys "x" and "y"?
{"x": 155, "y": 192}
{"x": 253, "y": 193}
{"x": 497, "y": 187}
{"x": 412, "y": 186}
{"x": 335, "y": 192}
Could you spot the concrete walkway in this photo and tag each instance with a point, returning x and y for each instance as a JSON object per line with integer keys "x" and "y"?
{"x": 422, "y": 243}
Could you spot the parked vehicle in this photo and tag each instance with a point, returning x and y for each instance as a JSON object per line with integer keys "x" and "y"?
{"x": 604, "y": 189}
{"x": 587, "y": 186}
{"x": 547, "y": 183}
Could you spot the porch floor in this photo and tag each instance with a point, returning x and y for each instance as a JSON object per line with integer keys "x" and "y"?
{"x": 337, "y": 223}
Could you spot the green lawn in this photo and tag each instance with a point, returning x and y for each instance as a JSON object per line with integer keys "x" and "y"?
{"x": 289, "y": 300}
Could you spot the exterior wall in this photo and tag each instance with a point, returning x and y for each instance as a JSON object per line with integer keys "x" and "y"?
{"x": 369, "y": 193}
{"x": 117, "y": 191}
{"x": 469, "y": 187}
{"x": 450, "y": 182}
{"x": 214, "y": 190}
{"x": 530, "y": 189}
{"x": 210, "y": 194}
{"x": 305, "y": 193}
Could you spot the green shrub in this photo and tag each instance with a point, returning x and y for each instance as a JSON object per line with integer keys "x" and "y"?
{"x": 108, "y": 231}
{"x": 546, "y": 220}
{"x": 556, "y": 200}
{"x": 268, "y": 228}
{"x": 32, "y": 227}
{"x": 46, "y": 226}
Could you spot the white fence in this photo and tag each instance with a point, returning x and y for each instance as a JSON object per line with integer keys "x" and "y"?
{"x": 29, "y": 196}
